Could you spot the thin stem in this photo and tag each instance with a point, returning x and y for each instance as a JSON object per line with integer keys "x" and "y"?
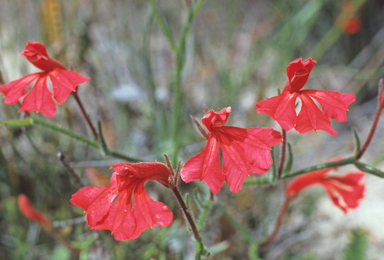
{"x": 76, "y": 179}
{"x": 348, "y": 160}
{"x": 120, "y": 155}
{"x": 282, "y": 155}
{"x": 188, "y": 24}
{"x": 186, "y": 212}
{"x": 258, "y": 181}
{"x": 112, "y": 153}
{"x": 163, "y": 26}
{"x": 85, "y": 115}
{"x": 180, "y": 61}
{"x": 67, "y": 132}
{"x": 374, "y": 124}
{"x": 279, "y": 220}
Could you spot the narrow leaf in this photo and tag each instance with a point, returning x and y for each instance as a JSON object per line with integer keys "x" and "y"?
{"x": 274, "y": 169}
{"x": 357, "y": 141}
{"x": 369, "y": 169}
{"x": 288, "y": 165}
{"x": 18, "y": 122}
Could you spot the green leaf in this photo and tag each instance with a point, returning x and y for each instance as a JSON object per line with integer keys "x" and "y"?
{"x": 369, "y": 169}
{"x": 357, "y": 141}
{"x": 288, "y": 165}
{"x": 18, "y": 122}
{"x": 357, "y": 246}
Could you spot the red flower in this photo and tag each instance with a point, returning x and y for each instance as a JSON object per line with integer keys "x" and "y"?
{"x": 345, "y": 191}
{"x": 31, "y": 213}
{"x": 40, "y": 99}
{"x": 282, "y": 107}
{"x": 111, "y": 207}
{"x": 245, "y": 151}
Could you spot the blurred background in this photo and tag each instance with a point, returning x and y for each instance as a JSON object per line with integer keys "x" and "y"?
{"x": 235, "y": 55}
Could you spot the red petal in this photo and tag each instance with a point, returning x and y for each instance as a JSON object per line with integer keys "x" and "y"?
{"x": 298, "y": 74}
{"x": 205, "y": 166}
{"x": 312, "y": 118}
{"x": 96, "y": 202}
{"x": 216, "y": 119}
{"x": 64, "y": 82}
{"x": 15, "y": 89}
{"x": 305, "y": 180}
{"x": 334, "y": 104}
{"x": 281, "y": 108}
{"x": 257, "y": 143}
{"x": 148, "y": 212}
{"x": 120, "y": 219}
{"x": 147, "y": 170}
{"x": 349, "y": 187}
{"x": 235, "y": 165}
{"x": 39, "y": 99}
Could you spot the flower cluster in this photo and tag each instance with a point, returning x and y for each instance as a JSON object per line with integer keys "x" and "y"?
{"x": 40, "y": 99}
{"x": 125, "y": 208}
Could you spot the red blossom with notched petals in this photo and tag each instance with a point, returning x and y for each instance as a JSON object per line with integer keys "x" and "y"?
{"x": 282, "y": 108}
{"x": 40, "y": 98}
{"x": 31, "y": 213}
{"x": 345, "y": 191}
{"x": 112, "y": 207}
{"x": 245, "y": 151}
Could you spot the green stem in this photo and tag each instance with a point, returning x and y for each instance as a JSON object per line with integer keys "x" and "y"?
{"x": 116, "y": 154}
{"x": 180, "y": 61}
{"x": 39, "y": 121}
{"x": 348, "y": 160}
{"x": 258, "y": 181}
{"x": 163, "y": 26}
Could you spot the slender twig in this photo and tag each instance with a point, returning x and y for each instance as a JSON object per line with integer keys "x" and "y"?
{"x": 85, "y": 115}
{"x": 374, "y": 123}
{"x": 282, "y": 155}
{"x": 279, "y": 220}
{"x": 76, "y": 179}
